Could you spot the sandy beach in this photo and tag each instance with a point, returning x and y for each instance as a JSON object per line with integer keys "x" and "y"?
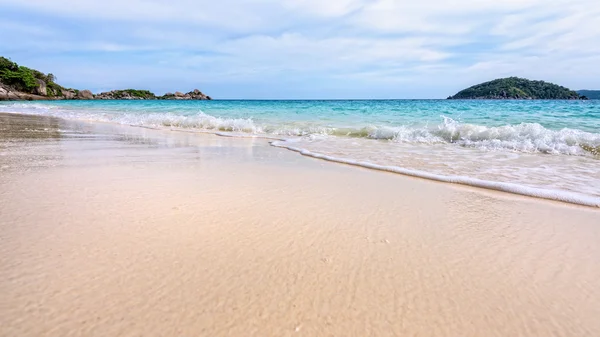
{"x": 110, "y": 230}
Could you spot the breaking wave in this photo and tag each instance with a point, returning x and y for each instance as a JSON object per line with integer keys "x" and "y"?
{"x": 384, "y": 146}
{"x": 524, "y": 137}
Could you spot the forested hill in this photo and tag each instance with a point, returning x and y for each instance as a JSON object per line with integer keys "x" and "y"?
{"x": 516, "y": 88}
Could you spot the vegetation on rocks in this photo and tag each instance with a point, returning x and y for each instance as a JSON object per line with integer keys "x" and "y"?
{"x": 27, "y": 80}
{"x": 22, "y": 83}
{"x": 127, "y": 94}
{"x": 516, "y": 88}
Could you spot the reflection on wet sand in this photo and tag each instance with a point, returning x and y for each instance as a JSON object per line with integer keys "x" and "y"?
{"x": 19, "y": 134}
{"x": 15, "y": 127}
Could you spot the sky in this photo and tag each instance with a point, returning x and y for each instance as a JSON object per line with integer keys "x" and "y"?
{"x": 260, "y": 49}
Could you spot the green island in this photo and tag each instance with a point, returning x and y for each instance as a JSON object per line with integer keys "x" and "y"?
{"x": 18, "y": 82}
{"x": 517, "y": 88}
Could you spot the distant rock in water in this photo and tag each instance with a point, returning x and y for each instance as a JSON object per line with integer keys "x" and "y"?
{"x": 516, "y": 88}
{"x": 196, "y": 94}
{"x": 590, "y": 94}
{"x": 129, "y": 94}
{"x": 133, "y": 94}
{"x": 22, "y": 83}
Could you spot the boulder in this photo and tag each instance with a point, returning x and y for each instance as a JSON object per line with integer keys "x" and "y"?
{"x": 3, "y": 94}
{"x": 179, "y": 94}
{"x": 197, "y": 94}
{"x": 68, "y": 94}
{"x": 41, "y": 88}
{"x": 85, "y": 94}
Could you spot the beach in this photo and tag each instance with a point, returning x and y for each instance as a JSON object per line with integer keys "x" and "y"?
{"x": 113, "y": 230}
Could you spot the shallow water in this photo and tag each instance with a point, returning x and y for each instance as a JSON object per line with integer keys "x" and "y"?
{"x": 549, "y": 145}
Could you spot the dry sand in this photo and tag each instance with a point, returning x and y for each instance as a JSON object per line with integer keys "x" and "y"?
{"x": 119, "y": 231}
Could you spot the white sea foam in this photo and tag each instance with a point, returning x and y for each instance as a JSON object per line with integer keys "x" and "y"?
{"x": 564, "y": 196}
{"x": 524, "y": 137}
{"x": 198, "y": 120}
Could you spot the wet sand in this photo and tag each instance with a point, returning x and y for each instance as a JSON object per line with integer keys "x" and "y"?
{"x": 118, "y": 231}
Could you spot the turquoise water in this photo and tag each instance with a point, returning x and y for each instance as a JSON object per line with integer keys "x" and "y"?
{"x": 548, "y": 145}
{"x": 580, "y": 115}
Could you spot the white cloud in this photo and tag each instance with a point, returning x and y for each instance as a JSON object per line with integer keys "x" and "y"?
{"x": 320, "y": 8}
{"x": 371, "y": 42}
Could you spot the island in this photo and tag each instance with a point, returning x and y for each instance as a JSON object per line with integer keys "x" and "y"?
{"x": 22, "y": 83}
{"x": 517, "y": 88}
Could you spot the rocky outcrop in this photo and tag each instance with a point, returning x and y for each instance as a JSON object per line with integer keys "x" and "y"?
{"x": 85, "y": 94}
{"x": 128, "y": 94}
{"x": 9, "y": 94}
{"x": 197, "y": 94}
{"x": 41, "y": 88}
{"x": 192, "y": 95}
{"x": 3, "y": 94}
{"x": 22, "y": 83}
{"x": 55, "y": 92}
{"x": 68, "y": 94}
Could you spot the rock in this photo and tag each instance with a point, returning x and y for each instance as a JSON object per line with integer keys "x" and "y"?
{"x": 105, "y": 95}
{"x": 85, "y": 94}
{"x": 69, "y": 94}
{"x": 41, "y": 88}
{"x": 197, "y": 94}
{"x": 178, "y": 94}
{"x": 3, "y": 94}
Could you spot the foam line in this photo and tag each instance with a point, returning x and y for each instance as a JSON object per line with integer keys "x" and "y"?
{"x": 563, "y": 196}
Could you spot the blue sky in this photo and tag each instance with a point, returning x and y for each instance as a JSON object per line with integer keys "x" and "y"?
{"x": 304, "y": 48}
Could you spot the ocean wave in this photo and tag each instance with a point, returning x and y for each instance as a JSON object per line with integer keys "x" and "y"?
{"x": 524, "y": 137}
{"x": 198, "y": 120}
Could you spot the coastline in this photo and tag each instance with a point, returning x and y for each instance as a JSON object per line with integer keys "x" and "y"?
{"x": 207, "y": 124}
{"x": 109, "y": 229}
{"x": 561, "y": 196}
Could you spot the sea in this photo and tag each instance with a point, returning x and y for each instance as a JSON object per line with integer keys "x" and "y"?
{"x": 546, "y": 149}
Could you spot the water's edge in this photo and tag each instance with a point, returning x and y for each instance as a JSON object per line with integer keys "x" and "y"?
{"x": 285, "y": 142}
{"x": 555, "y": 195}
{"x": 564, "y": 196}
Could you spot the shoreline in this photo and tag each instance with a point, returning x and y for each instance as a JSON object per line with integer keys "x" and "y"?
{"x": 504, "y": 187}
{"x": 515, "y": 189}
{"x": 114, "y": 230}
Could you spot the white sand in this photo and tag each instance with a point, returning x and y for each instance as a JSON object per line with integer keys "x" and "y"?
{"x": 129, "y": 232}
